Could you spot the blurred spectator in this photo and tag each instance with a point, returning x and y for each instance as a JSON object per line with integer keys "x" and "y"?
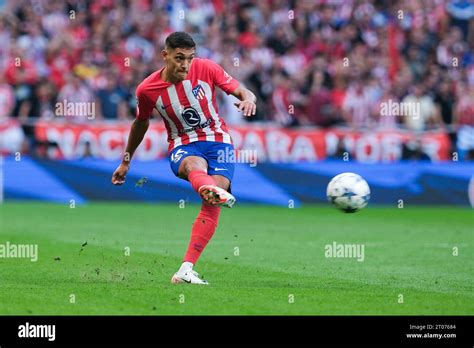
{"x": 388, "y": 120}
{"x": 282, "y": 108}
{"x": 464, "y": 111}
{"x": 319, "y": 108}
{"x": 444, "y": 100}
{"x": 21, "y": 71}
{"x": 46, "y": 97}
{"x": 112, "y": 103}
{"x": 7, "y": 99}
{"x": 422, "y": 111}
{"x": 464, "y": 121}
{"x": 75, "y": 92}
{"x": 357, "y": 106}
{"x": 280, "y": 40}
{"x": 42, "y": 103}
{"x": 128, "y": 85}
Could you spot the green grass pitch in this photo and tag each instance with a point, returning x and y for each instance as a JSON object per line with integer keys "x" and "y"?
{"x": 279, "y": 267}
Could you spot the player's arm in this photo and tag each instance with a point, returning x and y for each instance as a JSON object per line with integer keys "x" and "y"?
{"x": 225, "y": 82}
{"x": 247, "y": 102}
{"x": 137, "y": 133}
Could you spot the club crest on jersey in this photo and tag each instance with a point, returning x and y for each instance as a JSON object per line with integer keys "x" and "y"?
{"x": 198, "y": 92}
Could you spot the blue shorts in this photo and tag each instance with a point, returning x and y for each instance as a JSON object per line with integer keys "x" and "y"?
{"x": 218, "y": 156}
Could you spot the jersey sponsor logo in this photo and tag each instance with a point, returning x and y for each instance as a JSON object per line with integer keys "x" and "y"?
{"x": 198, "y": 92}
{"x": 201, "y": 126}
{"x": 175, "y": 157}
{"x": 191, "y": 116}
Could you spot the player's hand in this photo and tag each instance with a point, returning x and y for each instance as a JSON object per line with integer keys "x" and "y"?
{"x": 248, "y": 107}
{"x": 118, "y": 178}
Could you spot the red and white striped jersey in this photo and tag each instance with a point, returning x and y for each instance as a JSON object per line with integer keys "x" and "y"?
{"x": 189, "y": 107}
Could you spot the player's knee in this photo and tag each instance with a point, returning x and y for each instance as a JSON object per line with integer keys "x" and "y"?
{"x": 185, "y": 169}
{"x": 190, "y": 164}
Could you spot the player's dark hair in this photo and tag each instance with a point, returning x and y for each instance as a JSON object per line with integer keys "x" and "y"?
{"x": 179, "y": 39}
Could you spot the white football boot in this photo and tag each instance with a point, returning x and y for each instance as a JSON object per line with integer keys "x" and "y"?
{"x": 189, "y": 277}
{"x": 216, "y": 196}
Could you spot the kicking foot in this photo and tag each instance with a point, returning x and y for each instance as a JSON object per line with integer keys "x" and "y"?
{"x": 216, "y": 196}
{"x": 189, "y": 277}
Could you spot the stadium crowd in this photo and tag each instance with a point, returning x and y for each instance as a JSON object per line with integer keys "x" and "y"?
{"x": 310, "y": 62}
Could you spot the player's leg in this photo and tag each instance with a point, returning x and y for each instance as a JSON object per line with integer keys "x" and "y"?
{"x": 206, "y": 222}
{"x": 192, "y": 164}
{"x": 187, "y": 162}
{"x": 204, "y": 227}
{"x": 195, "y": 170}
{"x": 221, "y": 169}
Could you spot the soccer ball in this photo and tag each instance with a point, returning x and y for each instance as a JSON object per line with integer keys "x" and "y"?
{"x": 348, "y": 192}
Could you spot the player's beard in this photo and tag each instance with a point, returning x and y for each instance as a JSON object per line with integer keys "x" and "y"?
{"x": 181, "y": 75}
{"x": 176, "y": 76}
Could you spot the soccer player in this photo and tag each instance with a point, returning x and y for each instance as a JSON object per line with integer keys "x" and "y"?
{"x": 183, "y": 92}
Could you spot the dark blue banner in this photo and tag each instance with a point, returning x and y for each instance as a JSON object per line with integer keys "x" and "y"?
{"x": 277, "y": 184}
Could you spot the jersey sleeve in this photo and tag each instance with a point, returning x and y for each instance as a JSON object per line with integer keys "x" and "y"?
{"x": 221, "y": 78}
{"x": 144, "y": 105}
